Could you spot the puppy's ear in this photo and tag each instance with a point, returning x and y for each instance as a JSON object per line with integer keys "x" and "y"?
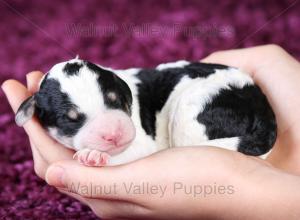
{"x": 25, "y": 111}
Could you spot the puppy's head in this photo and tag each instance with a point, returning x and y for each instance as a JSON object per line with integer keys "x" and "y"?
{"x": 83, "y": 105}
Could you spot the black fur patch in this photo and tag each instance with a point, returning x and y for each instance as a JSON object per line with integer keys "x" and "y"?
{"x": 156, "y": 86}
{"x": 243, "y": 113}
{"x": 52, "y": 107}
{"x": 110, "y": 82}
{"x": 72, "y": 68}
{"x": 197, "y": 69}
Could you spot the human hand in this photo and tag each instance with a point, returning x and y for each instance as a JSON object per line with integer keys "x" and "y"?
{"x": 46, "y": 151}
{"x": 278, "y": 75}
{"x": 186, "y": 183}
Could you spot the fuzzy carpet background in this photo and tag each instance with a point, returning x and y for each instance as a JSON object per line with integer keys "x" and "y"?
{"x": 37, "y": 34}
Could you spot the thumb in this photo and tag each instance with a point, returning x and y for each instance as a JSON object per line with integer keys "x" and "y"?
{"x": 244, "y": 59}
{"x": 91, "y": 182}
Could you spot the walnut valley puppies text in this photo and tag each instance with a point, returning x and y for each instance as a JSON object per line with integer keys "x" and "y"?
{"x": 158, "y": 190}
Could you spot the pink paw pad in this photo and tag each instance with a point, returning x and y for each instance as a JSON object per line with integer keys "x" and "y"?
{"x": 93, "y": 158}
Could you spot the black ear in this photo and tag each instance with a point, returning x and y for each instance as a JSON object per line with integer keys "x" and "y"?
{"x": 25, "y": 111}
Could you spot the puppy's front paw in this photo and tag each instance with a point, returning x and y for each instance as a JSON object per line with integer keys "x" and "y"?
{"x": 93, "y": 158}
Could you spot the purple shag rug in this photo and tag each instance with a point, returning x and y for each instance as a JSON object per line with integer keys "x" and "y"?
{"x": 37, "y": 34}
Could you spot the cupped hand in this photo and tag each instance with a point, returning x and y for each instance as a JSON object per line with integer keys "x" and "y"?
{"x": 110, "y": 191}
{"x": 45, "y": 150}
{"x": 276, "y": 72}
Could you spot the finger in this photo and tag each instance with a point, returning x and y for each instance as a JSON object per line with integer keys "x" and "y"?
{"x": 81, "y": 199}
{"x": 109, "y": 209}
{"x": 40, "y": 164}
{"x": 248, "y": 59}
{"x": 115, "y": 209}
{"x": 33, "y": 79}
{"x": 253, "y": 59}
{"x": 51, "y": 150}
{"x": 16, "y": 93}
{"x": 90, "y": 182}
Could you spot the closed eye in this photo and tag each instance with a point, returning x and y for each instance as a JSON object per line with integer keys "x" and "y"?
{"x": 73, "y": 114}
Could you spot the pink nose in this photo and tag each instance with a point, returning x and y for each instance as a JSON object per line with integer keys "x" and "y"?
{"x": 111, "y": 139}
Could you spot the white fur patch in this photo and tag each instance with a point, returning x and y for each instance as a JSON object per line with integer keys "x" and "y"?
{"x": 177, "y": 122}
{"x": 180, "y": 63}
{"x": 89, "y": 99}
{"x": 66, "y": 141}
{"x": 226, "y": 143}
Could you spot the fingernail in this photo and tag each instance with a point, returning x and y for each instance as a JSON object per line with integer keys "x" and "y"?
{"x": 55, "y": 175}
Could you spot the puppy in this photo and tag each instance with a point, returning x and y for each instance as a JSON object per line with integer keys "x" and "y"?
{"x": 111, "y": 117}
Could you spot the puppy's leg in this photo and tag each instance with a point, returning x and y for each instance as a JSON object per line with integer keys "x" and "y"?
{"x": 89, "y": 157}
{"x": 183, "y": 127}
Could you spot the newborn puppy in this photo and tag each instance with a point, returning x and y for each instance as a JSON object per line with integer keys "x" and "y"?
{"x": 111, "y": 117}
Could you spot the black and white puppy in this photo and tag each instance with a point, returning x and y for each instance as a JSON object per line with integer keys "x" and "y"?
{"x": 116, "y": 116}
